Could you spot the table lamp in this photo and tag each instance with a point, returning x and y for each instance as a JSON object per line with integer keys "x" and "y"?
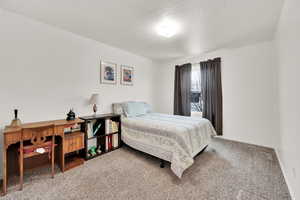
{"x": 94, "y": 101}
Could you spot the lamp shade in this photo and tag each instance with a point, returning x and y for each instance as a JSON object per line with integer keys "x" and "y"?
{"x": 94, "y": 99}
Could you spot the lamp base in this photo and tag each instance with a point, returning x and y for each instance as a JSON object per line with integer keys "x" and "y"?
{"x": 95, "y": 108}
{"x": 15, "y": 123}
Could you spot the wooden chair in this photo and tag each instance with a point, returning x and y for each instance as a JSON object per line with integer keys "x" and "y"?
{"x": 38, "y": 138}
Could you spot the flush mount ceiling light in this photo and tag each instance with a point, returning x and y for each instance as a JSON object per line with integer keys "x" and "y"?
{"x": 167, "y": 28}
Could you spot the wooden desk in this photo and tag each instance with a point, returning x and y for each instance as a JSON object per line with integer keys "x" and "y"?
{"x": 12, "y": 135}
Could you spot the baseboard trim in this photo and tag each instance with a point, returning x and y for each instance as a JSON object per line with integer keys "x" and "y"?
{"x": 241, "y": 141}
{"x": 285, "y": 175}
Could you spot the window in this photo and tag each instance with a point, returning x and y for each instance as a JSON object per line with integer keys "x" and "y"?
{"x": 196, "y": 102}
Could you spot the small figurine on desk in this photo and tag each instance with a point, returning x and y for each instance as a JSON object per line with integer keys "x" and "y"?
{"x": 16, "y": 121}
{"x": 71, "y": 115}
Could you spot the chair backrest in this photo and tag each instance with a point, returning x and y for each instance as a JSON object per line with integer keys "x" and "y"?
{"x": 38, "y": 135}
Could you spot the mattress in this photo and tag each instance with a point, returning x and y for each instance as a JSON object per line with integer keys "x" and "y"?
{"x": 176, "y": 139}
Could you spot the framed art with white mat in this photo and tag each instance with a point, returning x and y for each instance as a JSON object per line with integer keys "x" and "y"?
{"x": 127, "y": 75}
{"x": 108, "y": 72}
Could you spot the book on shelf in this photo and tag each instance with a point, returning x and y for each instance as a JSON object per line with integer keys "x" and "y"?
{"x": 115, "y": 127}
{"x": 96, "y": 129}
{"x": 107, "y": 143}
{"x": 90, "y": 130}
{"x": 115, "y": 140}
{"x": 111, "y": 142}
{"x": 111, "y": 126}
{"x": 96, "y": 126}
{"x": 93, "y": 128}
{"x": 107, "y": 126}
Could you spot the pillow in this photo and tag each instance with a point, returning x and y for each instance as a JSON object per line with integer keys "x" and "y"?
{"x": 133, "y": 109}
{"x": 148, "y": 107}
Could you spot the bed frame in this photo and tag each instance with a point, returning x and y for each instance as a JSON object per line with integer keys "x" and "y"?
{"x": 162, "y": 162}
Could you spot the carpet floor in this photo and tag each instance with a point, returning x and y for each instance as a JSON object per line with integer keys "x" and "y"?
{"x": 225, "y": 170}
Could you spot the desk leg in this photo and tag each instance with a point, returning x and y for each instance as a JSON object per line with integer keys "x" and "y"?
{"x": 62, "y": 155}
{"x": 4, "y": 170}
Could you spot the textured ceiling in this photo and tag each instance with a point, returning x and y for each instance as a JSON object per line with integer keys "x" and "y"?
{"x": 206, "y": 25}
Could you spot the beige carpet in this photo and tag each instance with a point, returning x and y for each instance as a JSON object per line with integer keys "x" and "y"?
{"x": 226, "y": 170}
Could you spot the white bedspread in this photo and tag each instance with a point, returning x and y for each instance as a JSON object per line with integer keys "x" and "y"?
{"x": 182, "y": 136}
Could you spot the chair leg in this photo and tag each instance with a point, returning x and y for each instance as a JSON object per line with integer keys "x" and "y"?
{"x": 52, "y": 156}
{"x": 21, "y": 165}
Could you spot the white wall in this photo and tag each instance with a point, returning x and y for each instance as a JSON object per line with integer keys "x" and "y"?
{"x": 45, "y": 71}
{"x": 250, "y": 111}
{"x": 288, "y": 45}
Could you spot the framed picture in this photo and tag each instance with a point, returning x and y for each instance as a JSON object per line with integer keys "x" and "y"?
{"x": 108, "y": 73}
{"x": 126, "y": 75}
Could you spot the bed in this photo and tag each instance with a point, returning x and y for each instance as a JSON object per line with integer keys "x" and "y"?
{"x": 176, "y": 139}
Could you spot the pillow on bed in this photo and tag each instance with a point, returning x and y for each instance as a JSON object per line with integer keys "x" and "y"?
{"x": 133, "y": 109}
{"x": 148, "y": 107}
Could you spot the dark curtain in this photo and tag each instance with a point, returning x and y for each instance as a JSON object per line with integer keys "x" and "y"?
{"x": 211, "y": 88}
{"x": 182, "y": 94}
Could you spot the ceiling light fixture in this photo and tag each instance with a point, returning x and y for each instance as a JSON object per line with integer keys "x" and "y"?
{"x": 167, "y": 28}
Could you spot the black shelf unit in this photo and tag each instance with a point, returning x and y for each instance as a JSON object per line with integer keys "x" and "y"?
{"x": 100, "y": 135}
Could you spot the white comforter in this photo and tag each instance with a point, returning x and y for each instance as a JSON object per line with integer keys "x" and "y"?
{"x": 184, "y": 137}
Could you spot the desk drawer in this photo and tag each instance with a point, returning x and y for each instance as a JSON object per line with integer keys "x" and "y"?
{"x": 73, "y": 142}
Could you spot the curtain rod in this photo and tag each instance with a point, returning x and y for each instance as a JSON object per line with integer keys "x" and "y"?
{"x": 198, "y": 63}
